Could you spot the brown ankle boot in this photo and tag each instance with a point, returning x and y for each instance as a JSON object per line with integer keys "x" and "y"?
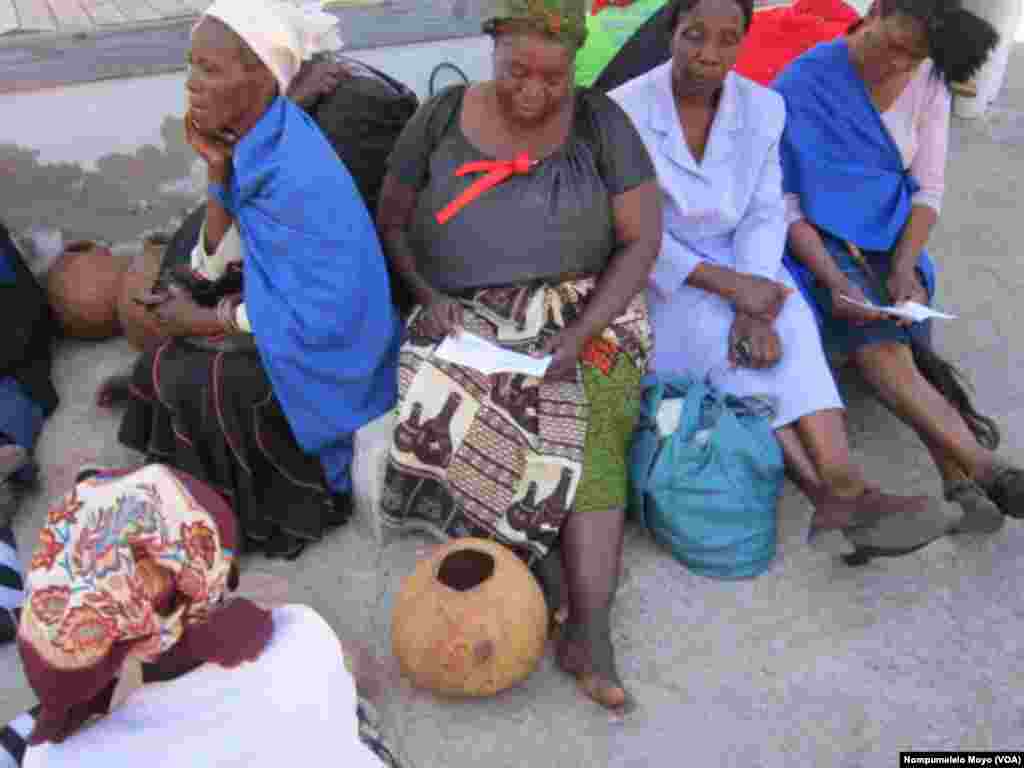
{"x": 884, "y": 523}
{"x": 908, "y": 524}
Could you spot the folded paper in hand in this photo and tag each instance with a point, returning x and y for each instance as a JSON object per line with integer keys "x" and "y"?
{"x": 474, "y": 352}
{"x": 908, "y": 309}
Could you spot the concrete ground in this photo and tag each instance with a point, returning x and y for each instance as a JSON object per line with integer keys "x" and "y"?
{"x": 813, "y": 663}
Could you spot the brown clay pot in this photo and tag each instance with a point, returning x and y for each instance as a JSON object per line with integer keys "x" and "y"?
{"x": 469, "y": 621}
{"x": 83, "y": 287}
{"x": 138, "y": 323}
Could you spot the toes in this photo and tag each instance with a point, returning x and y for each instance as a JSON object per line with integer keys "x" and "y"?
{"x": 608, "y": 695}
{"x": 596, "y": 680}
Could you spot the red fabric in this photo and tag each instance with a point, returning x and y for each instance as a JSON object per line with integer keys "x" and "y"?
{"x": 497, "y": 171}
{"x": 779, "y": 35}
{"x": 599, "y": 5}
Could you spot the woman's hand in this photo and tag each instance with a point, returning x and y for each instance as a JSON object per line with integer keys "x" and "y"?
{"x": 759, "y": 296}
{"x": 851, "y": 313}
{"x": 904, "y": 285}
{"x": 216, "y": 151}
{"x": 565, "y": 348}
{"x": 178, "y": 315}
{"x": 753, "y": 342}
{"x": 442, "y": 316}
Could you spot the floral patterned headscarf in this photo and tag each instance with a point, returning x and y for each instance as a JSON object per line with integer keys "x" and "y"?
{"x": 564, "y": 20}
{"x": 89, "y": 605}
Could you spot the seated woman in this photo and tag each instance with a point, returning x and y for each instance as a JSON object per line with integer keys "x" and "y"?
{"x": 27, "y": 397}
{"x": 130, "y": 565}
{"x": 360, "y": 110}
{"x": 721, "y": 301}
{"x": 863, "y": 157}
{"x": 148, "y": 596}
{"x": 293, "y": 705}
{"x": 268, "y": 417}
{"x": 547, "y": 253}
{"x": 162, "y": 568}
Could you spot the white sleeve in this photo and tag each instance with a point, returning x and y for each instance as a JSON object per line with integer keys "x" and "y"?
{"x": 242, "y": 318}
{"x": 929, "y": 164}
{"x": 760, "y": 237}
{"x": 213, "y": 266}
{"x": 675, "y": 263}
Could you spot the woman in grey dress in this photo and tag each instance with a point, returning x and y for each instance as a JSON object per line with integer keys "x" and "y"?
{"x": 526, "y": 212}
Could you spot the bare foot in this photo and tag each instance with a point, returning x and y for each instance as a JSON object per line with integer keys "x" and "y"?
{"x": 115, "y": 390}
{"x": 587, "y": 655}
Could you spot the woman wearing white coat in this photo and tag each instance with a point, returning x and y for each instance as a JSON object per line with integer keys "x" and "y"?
{"x": 721, "y": 301}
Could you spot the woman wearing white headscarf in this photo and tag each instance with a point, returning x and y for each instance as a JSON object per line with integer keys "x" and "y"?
{"x": 268, "y": 417}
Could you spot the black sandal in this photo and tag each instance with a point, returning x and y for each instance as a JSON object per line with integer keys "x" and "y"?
{"x": 981, "y": 514}
{"x": 1006, "y": 489}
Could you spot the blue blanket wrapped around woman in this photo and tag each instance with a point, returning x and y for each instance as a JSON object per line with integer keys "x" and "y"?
{"x": 315, "y": 284}
{"x": 839, "y": 157}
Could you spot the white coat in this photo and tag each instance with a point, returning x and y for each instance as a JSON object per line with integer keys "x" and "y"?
{"x": 728, "y": 209}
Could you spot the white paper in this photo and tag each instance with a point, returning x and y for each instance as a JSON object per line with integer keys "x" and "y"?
{"x": 670, "y": 413}
{"x": 908, "y": 309}
{"x": 474, "y": 352}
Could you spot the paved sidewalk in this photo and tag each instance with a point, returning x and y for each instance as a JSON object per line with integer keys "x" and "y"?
{"x": 813, "y": 663}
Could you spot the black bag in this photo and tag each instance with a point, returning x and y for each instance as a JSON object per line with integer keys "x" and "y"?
{"x": 362, "y": 118}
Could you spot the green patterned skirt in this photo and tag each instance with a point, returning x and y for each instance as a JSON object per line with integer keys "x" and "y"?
{"x": 508, "y": 456}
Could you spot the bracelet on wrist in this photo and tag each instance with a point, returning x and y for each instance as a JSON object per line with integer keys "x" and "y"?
{"x": 226, "y": 315}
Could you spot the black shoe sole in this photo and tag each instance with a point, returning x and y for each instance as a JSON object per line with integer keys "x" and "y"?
{"x": 865, "y": 555}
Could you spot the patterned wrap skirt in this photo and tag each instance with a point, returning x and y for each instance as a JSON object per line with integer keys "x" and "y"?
{"x": 508, "y": 456}
{"x": 210, "y": 410}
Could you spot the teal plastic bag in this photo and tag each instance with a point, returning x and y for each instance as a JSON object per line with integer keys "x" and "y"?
{"x": 708, "y": 491}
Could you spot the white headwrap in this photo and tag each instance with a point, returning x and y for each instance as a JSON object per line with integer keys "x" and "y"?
{"x": 281, "y": 33}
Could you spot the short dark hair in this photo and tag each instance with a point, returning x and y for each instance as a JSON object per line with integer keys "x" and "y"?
{"x": 959, "y": 41}
{"x": 680, "y": 7}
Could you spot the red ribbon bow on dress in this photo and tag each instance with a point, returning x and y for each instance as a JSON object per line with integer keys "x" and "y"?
{"x": 497, "y": 171}
{"x": 600, "y": 5}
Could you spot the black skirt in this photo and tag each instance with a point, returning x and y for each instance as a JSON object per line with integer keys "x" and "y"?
{"x": 212, "y": 412}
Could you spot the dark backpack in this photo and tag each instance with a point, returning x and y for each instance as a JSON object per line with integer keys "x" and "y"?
{"x": 362, "y": 118}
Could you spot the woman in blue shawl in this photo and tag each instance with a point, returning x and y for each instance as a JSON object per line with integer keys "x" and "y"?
{"x": 261, "y": 393}
{"x": 861, "y": 113}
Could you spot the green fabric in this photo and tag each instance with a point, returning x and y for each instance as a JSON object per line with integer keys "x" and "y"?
{"x": 564, "y": 20}
{"x": 607, "y": 31}
{"x": 614, "y": 408}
